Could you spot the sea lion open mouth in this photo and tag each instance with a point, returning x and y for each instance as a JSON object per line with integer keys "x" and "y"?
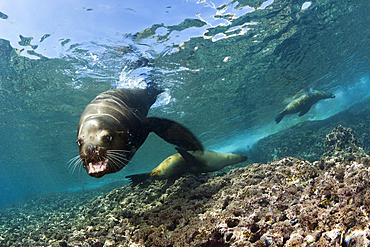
{"x": 97, "y": 168}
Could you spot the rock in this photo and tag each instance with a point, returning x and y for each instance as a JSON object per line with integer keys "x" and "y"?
{"x": 341, "y": 142}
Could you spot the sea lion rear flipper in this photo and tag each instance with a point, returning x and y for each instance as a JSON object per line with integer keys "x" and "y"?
{"x": 138, "y": 178}
{"x": 174, "y": 133}
{"x": 279, "y": 117}
{"x": 304, "y": 111}
{"x": 190, "y": 159}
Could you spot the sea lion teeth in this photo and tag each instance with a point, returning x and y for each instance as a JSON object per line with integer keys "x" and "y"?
{"x": 189, "y": 162}
{"x": 115, "y": 124}
{"x": 97, "y": 166}
{"x": 303, "y": 104}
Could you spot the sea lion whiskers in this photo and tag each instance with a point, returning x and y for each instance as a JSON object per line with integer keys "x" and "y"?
{"x": 80, "y": 166}
{"x": 118, "y": 151}
{"x": 116, "y": 157}
{"x": 119, "y": 158}
{"x": 73, "y": 163}
{"x": 114, "y": 163}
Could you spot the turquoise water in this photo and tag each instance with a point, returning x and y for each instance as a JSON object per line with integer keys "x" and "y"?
{"x": 227, "y": 67}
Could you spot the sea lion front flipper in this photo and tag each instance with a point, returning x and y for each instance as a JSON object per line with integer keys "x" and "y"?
{"x": 304, "y": 111}
{"x": 190, "y": 159}
{"x": 174, "y": 133}
{"x": 138, "y": 178}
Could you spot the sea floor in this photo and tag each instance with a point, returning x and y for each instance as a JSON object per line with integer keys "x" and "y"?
{"x": 286, "y": 202}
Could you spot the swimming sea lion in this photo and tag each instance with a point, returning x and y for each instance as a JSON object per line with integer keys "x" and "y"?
{"x": 189, "y": 162}
{"x": 114, "y": 125}
{"x": 303, "y": 104}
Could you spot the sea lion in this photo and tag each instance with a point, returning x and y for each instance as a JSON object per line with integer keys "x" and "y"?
{"x": 189, "y": 162}
{"x": 303, "y": 104}
{"x": 114, "y": 125}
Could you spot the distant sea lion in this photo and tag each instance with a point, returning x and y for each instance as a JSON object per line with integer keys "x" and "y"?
{"x": 303, "y": 104}
{"x": 189, "y": 162}
{"x": 114, "y": 125}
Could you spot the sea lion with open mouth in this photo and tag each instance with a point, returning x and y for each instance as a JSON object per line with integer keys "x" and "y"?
{"x": 189, "y": 162}
{"x": 114, "y": 125}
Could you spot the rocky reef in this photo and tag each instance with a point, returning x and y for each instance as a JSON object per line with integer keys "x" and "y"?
{"x": 285, "y": 202}
{"x": 342, "y": 142}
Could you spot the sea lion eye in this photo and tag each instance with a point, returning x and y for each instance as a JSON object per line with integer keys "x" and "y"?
{"x": 79, "y": 142}
{"x": 109, "y": 138}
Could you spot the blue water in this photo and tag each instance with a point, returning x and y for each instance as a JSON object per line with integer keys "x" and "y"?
{"x": 227, "y": 68}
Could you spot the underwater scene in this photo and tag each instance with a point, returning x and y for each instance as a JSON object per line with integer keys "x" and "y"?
{"x": 184, "y": 123}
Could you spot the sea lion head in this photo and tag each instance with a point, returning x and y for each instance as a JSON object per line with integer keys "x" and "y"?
{"x": 323, "y": 95}
{"x": 328, "y": 95}
{"x": 103, "y": 147}
{"x": 114, "y": 125}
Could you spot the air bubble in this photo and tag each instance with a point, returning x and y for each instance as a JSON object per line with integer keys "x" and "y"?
{"x": 306, "y": 5}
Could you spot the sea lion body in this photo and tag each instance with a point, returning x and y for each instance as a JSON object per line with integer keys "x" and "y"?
{"x": 303, "y": 104}
{"x": 114, "y": 125}
{"x": 189, "y": 162}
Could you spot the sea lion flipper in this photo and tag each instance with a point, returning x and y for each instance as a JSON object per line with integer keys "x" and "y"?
{"x": 174, "y": 133}
{"x": 304, "y": 111}
{"x": 279, "y": 117}
{"x": 138, "y": 178}
{"x": 190, "y": 159}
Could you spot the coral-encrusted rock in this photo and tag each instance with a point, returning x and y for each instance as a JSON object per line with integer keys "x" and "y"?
{"x": 286, "y": 202}
{"x": 341, "y": 142}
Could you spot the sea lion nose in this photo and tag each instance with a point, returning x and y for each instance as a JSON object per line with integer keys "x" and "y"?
{"x": 91, "y": 149}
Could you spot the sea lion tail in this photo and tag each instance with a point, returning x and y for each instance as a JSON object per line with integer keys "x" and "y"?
{"x": 279, "y": 117}
{"x": 138, "y": 178}
{"x": 174, "y": 133}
